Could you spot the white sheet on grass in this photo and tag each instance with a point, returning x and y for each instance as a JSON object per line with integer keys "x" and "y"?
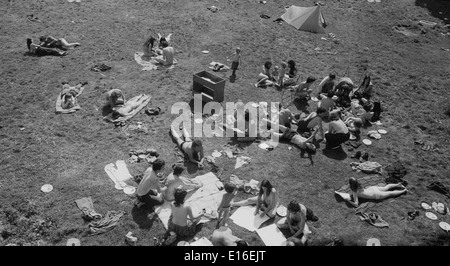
{"x": 202, "y": 242}
{"x": 207, "y": 197}
{"x": 244, "y": 217}
{"x": 271, "y": 235}
{"x": 118, "y": 175}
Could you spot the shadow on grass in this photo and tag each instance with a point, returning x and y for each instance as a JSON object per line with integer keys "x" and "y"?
{"x": 438, "y": 8}
{"x": 141, "y": 216}
{"x": 336, "y": 154}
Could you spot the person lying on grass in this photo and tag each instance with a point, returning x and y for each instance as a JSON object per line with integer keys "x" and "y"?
{"x": 174, "y": 181}
{"x": 295, "y": 138}
{"x": 193, "y": 149}
{"x": 267, "y": 200}
{"x": 224, "y": 237}
{"x": 38, "y": 50}
{"x": 61, "y": 43}
{"x": 115, "y": 98}
{"x": 69, "y": 95}
{"x": 182, "y": 222}
{"x": 370, "y": 193}
{"x": 312, "y": 122}
{"x": 128, "y": 108}
{"x": 364, "y": 118}
{"x": 295, "y": 221}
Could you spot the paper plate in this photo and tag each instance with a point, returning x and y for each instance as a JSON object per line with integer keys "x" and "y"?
{"x": 445, "y": 226}
{"x": 431, "y": 215}
{"x": 73, "y": 242}
{"x": 282, "y": 211}
{"x": 198, "y": 120}
{"x": 373, "y": 242}
{"x": 367, "y": 142}
{"x": 216, "y": 154}
{"x": 382, "y": 131}
{"x": 205, "y": 51}
{"x": 425, "y": 205}
{"x": 129, "y": 190}
{"x": 314, "y": 99}
{"x": 264, "y": 146}
{"x": 46, "y": 188}
{"x": 352, "y": 137}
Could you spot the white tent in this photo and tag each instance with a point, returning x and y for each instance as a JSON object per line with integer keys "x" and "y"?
{"x": 305, "y": 18}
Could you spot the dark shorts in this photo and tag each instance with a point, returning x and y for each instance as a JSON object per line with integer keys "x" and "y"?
{"x": 234, "y": 65}
{"x": 150, "y": 198}
{"x": 335, "y": 140}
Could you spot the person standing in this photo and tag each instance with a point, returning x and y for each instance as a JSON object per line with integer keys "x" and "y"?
{"x": 236, "y": 61}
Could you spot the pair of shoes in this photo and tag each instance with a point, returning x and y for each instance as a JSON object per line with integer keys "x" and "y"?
{"x": 357, "y": 155}
{"x": 314, "y": 218}
{"x": 153, "y": 111}
{"x": 365, "y": 156}
{"x": 412, "y": 215}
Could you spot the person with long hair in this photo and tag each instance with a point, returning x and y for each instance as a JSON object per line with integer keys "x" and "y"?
{"x": 266, "y": 202}
{"x": 370, "y": 193}
{"x": 182, "y": 222}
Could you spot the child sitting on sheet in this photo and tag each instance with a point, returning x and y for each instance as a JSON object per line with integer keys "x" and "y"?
{"x": 295, "y": 221}
{"x": 225, "y": 205}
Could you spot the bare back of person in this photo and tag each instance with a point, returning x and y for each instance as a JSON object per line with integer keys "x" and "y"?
{"x": 223, "y": 237}
{"x": 180, "y": 214}
{"x": 168, "y": 54}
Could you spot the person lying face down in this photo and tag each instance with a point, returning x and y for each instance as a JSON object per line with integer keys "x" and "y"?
{"x": 129, "y": 107}
{"x": 224, "y": 237}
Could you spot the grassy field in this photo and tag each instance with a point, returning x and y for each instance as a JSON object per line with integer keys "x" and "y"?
{"x": 411, "y": 76}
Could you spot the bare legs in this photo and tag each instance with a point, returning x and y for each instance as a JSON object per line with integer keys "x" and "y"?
{"x": 65, "y": 44}
{"x": 179, "y": 138}
{"x": 249, "y": 201}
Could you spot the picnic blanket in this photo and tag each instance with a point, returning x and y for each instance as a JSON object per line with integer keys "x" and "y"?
{"x": 77, "y": 90}
{"x": 271, "y": 235}
{"x": 132, "y": 114}
{"x": 151, "y": 64}
{"x": 119, "y": 175}
{"x": 207, "y": 197}
{"x": 244, "y": 217}
{"x": 367, "y": 181}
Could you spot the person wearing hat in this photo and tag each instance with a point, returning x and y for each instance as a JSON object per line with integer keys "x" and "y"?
{"x": 338, "y": 132}
{"x": 193, "y": 149}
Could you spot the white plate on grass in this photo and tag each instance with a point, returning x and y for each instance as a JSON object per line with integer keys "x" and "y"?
{"x": 373, "y": 242}
{"x": 382, "y": 131}
{"x": 129, "y": 190}
{"x": 367, "y": 142}
{"x": 431, "y": 215}
{"x": 314, "y": 99}
{"x": 425, "y": 205}
{"x": 205, "y": 51}
{"x": 282, "y": 211}
{"x": 46, "y": 188}
{"x": 73, "y": 242}
{"x": 445, "y": 226}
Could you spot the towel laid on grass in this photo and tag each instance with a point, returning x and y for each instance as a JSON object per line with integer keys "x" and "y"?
{"x": 221, "y": 67}
{"x": 373, "y": 219}
{"x": 106, "y": 224}
{"x": 119, "y": 175}
{"x": 132, "y": 114}
{"x": 367, "y": 181}
{"x": 244, "y": 217}
{"x": 75, "y": 91}
{"x": 151, "y": 63}
{"x": 271, "y": 235}
{"x": 207, "y": 197}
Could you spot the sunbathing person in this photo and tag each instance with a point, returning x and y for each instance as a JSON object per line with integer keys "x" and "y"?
{"x": 148, "y": 48}
{"x": 337, "y": 132}
{"x": 265, "y": 78}
{"x": 61, "y": 43}
{"x": 115, "y": 98}
{"x": 43, "y": 51}
{"x": 267, "y": 200}
{"x": 167, "y": 54}
{"x": 149, "y": 189}
{"x": 174, "y": 181}
{"x": 193, "y": 149}
{"x": 295, "y": 221}
{"x": 69, "y": 95}
{"x": 224, "y": 237}
{"x": 364, "y": 119}
{"x": 370, "y": 193}
{"x": 295, "y": 138}
{"x": 182, "y": 222}
{"x": 129, "y": 107}
{"x": 312, "y": 121}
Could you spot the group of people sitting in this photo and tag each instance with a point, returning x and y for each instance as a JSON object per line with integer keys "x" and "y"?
{"x": 159, "y": 49}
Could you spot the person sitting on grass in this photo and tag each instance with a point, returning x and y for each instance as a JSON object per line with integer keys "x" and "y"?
{"x": 148, "y": 48}
{"x": 38, "y": 50}
{"x": 291, "y": 75}
{"x": 267, "y": 200}
{"x": 61, "y": 43}
{"x": 167, "y": 54}
{"x": 174, "y": 181}
{"x": 328, "y": 103}
{"x": 223, "y": 236}
{"x": 129, "y": 107}
{"x": 285, "y": 117}
{"x": 311, "y": 122}
{"x": 338, "y": 132}
{"x": 224, "y": 206}
{"x": 303, "y": 90}
{"x": 182, "y": 222}
{"x": 370, "y": 193}
{"x": 327, "y": 84}
{"x": 193, "y": 149}
{"x": 365, "y": 118}
{"x": 281, "y": 73}
{"x": 149, "y": 189}
{"x": 265, "y": 77}
{"x": 295, "y": 221}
